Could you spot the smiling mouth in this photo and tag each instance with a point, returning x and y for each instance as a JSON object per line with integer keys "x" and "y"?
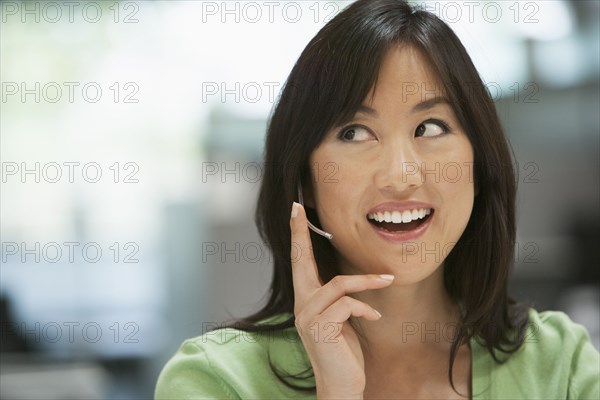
{"x": 400, "y": 221}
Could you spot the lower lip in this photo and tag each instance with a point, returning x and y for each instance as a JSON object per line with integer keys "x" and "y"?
{"x": 403, "y": 236}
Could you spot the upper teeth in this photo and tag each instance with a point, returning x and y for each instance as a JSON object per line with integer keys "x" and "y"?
{"x": 400, "y": 216}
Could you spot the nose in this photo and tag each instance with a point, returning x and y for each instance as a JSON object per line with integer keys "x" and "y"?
{"x": 398, "y": 168}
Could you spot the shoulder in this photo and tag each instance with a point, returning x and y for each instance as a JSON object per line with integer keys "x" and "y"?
{"x": 556, "y": 359}
{"x": 233, "y": 363}
{"x": 555, "y": 327}
{"x": 564, "y": 347}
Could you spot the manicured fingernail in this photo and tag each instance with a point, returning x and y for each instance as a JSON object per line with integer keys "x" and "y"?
{"x": 378, "y": 313}
{"x": 294, "y": 209}
{"x": 386, "y": 277}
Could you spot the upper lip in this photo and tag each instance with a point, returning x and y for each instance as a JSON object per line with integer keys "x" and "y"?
{"x": 399, "y": 206}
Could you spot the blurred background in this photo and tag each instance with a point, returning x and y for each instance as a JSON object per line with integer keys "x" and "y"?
{"x": 131, "y": 152}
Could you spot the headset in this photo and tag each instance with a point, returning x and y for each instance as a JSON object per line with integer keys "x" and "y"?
{"x": 311, "y": 226}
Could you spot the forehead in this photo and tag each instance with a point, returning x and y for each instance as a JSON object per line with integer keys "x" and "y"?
{"x": 405, "y": 75}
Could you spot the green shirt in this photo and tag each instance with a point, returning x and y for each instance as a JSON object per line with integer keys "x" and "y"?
{"x": 556, "y": 361}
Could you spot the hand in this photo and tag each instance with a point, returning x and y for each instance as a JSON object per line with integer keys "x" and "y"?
{"x": 322, "y": 312}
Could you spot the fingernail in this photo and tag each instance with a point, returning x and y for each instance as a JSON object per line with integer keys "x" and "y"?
{"x": 378, "y": 313}
{"x": 386, "y": 277}
{"x": 294, "y": 209}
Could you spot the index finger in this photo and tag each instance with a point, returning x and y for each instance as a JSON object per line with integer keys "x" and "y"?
{"x": 305, "y": 274}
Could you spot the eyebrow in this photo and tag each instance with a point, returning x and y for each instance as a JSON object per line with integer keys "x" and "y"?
{"x": 367, "y": 110}
{"x": 427, "y": 104}
{"x": 422, "y": 106}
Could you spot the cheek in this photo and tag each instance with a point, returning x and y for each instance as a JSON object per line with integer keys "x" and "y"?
{"x": 457, "y": 176}
{"x": 458, "y": 197}
{"x": 338, "y": 185}
{"x": 462, "y": 193}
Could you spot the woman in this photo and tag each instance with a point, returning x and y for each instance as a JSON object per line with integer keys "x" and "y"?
{"x": 386, "y": 131}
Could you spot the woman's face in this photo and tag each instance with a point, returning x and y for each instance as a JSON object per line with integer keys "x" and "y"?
{"x": 405, "y": 154}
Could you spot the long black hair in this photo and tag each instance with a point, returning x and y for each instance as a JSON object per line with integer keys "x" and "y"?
{"x": 328, "y": 83}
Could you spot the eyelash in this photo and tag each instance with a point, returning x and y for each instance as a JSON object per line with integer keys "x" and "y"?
{"x": 442, "y": 124}
{"x": 342, "y": 131}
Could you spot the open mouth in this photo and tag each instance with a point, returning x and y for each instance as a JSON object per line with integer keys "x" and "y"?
{"x": 400, "y": 221}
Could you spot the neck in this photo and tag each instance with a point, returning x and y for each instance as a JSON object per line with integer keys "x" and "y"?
{"x": 415, "y": 318}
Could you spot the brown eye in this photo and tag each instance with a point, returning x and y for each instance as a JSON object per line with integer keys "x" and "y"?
{"x": 354, "y": 133}
{"x": 431, "y": 128}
